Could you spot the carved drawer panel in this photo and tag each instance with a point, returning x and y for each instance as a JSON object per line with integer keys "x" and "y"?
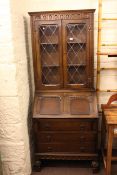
{"x": 65, "y": 147}
{"x": 65, "y": 125}
{"x": 79, "y": 137}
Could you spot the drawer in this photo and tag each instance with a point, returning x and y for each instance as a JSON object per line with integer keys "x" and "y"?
{"x": 65, "y": 147}
{"x": 65, "y": 124}
{"x": 44, "y": 137}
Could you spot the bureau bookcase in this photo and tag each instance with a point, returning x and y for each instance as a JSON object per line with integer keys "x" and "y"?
{"x": 65, "y": 118}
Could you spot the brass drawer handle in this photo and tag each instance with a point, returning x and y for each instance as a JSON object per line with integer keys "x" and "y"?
{"x": 82, "y": 127}
{"x": 49, "y": 148}
{"x": 47, "y": 126}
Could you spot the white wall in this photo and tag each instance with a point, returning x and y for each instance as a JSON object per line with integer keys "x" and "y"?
{"x": 109, "y": 35}
{"x": 43, "y": 5}
{"x": 14, "y": 90}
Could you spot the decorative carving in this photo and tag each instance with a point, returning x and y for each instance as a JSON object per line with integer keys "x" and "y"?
{"x": 95, "y": 166}
{"x": 66, "y": 157}
{"x": 37, "y": 166}
{"x": 55, "y": 16}
{"x": 86, "y": 15}
{"x": 82, "y": 97}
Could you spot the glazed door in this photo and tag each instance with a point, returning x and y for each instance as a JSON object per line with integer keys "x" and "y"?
{"x": 76, "y": 53}
{"x": 49, "y": 54}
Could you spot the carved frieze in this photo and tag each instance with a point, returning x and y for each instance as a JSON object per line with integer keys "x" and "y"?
{"x": 56, "y": 16}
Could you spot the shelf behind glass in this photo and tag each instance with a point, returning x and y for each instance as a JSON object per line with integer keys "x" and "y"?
{"x": 50, "y": 66}
{"x": 76, "y": 42}
{"x": 49, "y": 43}
{"x": 76, "y": 65}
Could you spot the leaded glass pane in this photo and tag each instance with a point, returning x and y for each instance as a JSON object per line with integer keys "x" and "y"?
{"x": 76, "y": 53}
{"x": 49, "y": 53}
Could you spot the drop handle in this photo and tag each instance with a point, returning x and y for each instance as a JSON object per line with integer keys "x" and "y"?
{"x": 49, "y": 148}
{"x": 82, "y": 127}
{"x": 47, "y": 126}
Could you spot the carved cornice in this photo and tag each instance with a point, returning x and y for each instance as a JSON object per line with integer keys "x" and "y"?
{"x": 59, "y": 15}
{"x": 56, "y": 16}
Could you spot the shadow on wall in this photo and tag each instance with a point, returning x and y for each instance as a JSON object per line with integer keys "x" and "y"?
{"x": 31, "y": 87}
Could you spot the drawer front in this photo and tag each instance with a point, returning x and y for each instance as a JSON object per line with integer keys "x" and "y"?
{"x": 65, "y": 147}
{"x": 49, "y": 137}
{"x": 65, "y": 124}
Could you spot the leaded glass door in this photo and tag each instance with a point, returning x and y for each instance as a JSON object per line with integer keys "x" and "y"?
{"x": 76, "y": 53}
{"x": 49, "y": 58}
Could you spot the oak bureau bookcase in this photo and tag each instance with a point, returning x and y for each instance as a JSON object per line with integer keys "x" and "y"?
{"x": 65, "y": 118}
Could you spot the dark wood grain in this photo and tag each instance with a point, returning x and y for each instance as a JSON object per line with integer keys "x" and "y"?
{"x": 65, "y": 116}
{"x": 62, "y": 18}
{"x": 66, "y": 124}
